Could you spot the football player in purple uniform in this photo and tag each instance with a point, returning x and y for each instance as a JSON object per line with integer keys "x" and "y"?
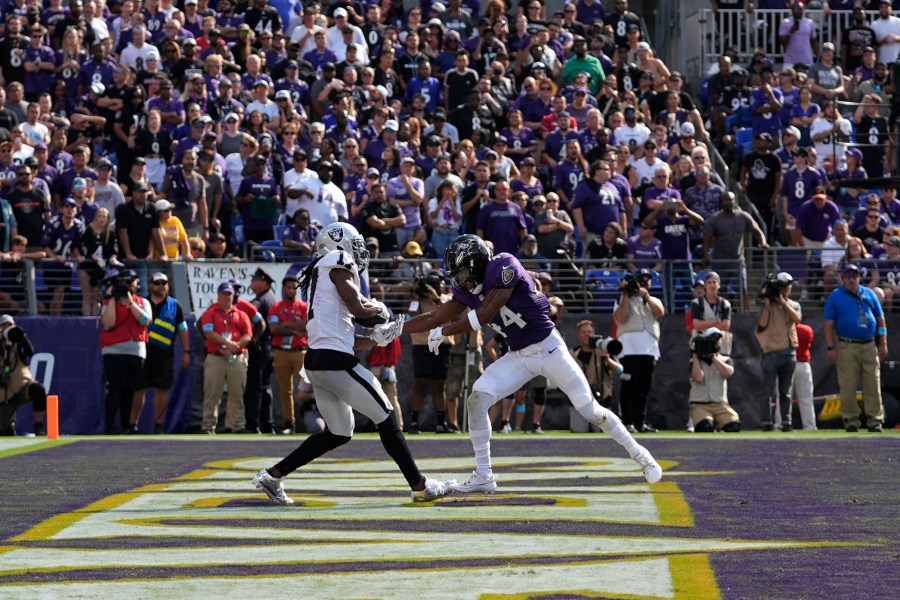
{"x": 499, "y": 292}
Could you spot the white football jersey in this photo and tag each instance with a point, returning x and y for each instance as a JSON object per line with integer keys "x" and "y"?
{"x": 330, "y": 324}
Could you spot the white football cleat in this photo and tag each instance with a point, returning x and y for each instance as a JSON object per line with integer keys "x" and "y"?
{"x": 434, "y": 489}
{"x": 652, "y": 470}
{"x": 477, "y": 484}
{"x": 273, "y": 487}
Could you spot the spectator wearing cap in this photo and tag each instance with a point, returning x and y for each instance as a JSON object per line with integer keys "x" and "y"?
{"x": 597, "y": 203}
{"x": 335, "y": 34}
{"x": 175, "y": 238}
{"x": 790, "y": 141}
{"x": 799, "y": 37}
{"x": 644, "y": 250}
{"x": 873, "y": 119}
{"x": 708, "y": 398}
{"x": 761, "y": 177}
{"x": 856, "y": 39}
{"x": 171, "y": 110}
{"x": 185, "y": 188}
{"x": 798, "y": 187}
{"x": 227, "y": 332}
{"x": 847, "y": 198}
{"x": 262, "y": 103}
{"x": 292, "y": 84}
{"x": 166, "y": 322}
{"x": 887, "y": 268}
{"x": 527, "y": 181}
{"x": 259, "y": 200}
{"x": 776, "y": 332}
{"x": 502, "y": 222}
{"x": 85, "y": 209}
{"x": 375, "y": 148}
{"x": 632, "y": 133}
{"x": 856, "y": 337}
{"x": 107, "y": 193}
{"x": 81, "y": 157}
{"x": 826, "y": 79}
{"x": 582, "y": 62}
{"x": 30, "y": 207}
{"x": 553, "y": 226}
{"x": 61, "y": 241}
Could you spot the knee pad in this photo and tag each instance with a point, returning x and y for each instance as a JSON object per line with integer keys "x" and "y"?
{"x": 704, "y": 426}
{"x": 477, "y": 399}
{"x": 37, "y": 395}
{"x": 540, "y": 396}
{"x": 732, "y": 427}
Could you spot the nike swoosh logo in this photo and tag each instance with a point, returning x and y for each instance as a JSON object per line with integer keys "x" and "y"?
{"x": 552, "y": 351}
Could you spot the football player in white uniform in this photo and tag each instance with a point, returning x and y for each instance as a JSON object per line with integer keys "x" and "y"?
{"x": 340, "y": 382}
{"x": 499, "y": 292}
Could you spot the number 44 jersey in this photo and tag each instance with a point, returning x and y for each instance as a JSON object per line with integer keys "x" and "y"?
{"x": 525, "y": 320}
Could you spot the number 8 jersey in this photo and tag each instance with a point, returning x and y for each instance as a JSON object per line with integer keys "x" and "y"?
{"x": 525, "y": 320}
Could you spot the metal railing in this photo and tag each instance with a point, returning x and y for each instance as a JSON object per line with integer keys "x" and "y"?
{"x": 748, "y": 32}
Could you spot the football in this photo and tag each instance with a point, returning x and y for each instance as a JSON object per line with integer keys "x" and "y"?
{"x": 373, "y": 320}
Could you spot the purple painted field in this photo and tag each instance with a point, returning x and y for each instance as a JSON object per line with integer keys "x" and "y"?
{"x": 822, "y": 510}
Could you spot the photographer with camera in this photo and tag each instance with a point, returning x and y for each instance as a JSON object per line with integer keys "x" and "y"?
{"x": 708, "y": 397}
{"x": 123, "y": 342}
{"x": 776, "y": 330}
{"x": 594, "y": 355}
{"x": 637, "y": 315}
{"x": 430, "y": 370}
{"x": 17, "y": 386}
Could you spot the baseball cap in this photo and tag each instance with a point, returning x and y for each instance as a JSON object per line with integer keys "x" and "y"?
{"x": 232, "y": 117}
{"x": 827, "y": 46}
{"x": 260, "y": 274}
{"x": 140, "y": 186}
{"x": 413, "y": 249}
{"x": 162, "y": 205}
{"x": 372, "y": 242}
{"x": 166, "y": 83}
{"x": 408, "y": 159}
{"x": 711, "y": 332}
{"x": 79, "y": 183}
{"x": 687, "y": 130}
{"x": 217, "y": 237}
{"x": 261, "y": 82}
{"x": 855, "y": 152}
{"x": 40, "y": 146}
{"x": 392, "y": 125}
{"x": 765, "y": 136}
{"x": 7, "y": 320}
{"x": 372, "y": 172}
{"x": 159, "y": 276}
{"x": 530, "y": 238}
{"x": 265, "y": 138}
{"x": 563, "y": 116}
{"x": 643, "y": 46}
{"x": 894, "y": 241}
{"x": 792, "y": 131}
{"x": 784, "y": 278}
{"x": 676, "y": 76}
{"x": 340, "y": 12}
{"x": 283, "y": 94}
{"x": 225, "y": 288}
{"x": 69, "y": 202}
{"x": 850, "y": 267}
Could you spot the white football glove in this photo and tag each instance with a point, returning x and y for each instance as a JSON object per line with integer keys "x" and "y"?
{"x": 385, "y": 311}
{"x": 387, "y": 333}
{"x": 435, "y": 339}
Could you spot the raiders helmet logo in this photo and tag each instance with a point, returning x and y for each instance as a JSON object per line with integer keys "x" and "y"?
{"x": 506, "y": 275}
{"x": 336, "y": 234}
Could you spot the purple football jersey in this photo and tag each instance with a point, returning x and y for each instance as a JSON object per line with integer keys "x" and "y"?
{"x": 525, "y": 320}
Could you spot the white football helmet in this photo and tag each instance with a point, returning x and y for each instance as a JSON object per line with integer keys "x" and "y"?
{"x": 345, "y": 237}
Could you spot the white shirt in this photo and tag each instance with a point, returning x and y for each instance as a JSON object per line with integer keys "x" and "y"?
{"x": 234, "y": 169}
{"x": 335, "y": 37}
{"x": 637, "y": 343}
{"x": 327, "y": 204}
{"x": 331, "y": 326}
{"x": 832, "y": 252}
{"x": 310, "y": 43}
{"x": 444, "y": 218}
{"x": 645, "y": 170}
{"x": 825, "y": 147}
{"x": 269, "y": 108}
{"x": 305, "y": 180}
{"x": 36, "y": 133}
{"x": 137, "y": 57}
{"x": 882, "y": 28}
{"x": 362, "y": 54}
{"x": 449, "y": 130}
{"x": 632, "y": 136}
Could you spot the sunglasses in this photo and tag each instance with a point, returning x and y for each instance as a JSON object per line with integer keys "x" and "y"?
{"x": 166, "y": 282}
{"x": 851, "y": 275}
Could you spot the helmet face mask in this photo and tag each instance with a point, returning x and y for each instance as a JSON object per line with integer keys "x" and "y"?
{"x": 343, "y": 237}
{"x": 465, "y": 261}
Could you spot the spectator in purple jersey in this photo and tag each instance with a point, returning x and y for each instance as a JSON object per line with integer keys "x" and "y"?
{"x": 555, "y": 145}
{"x": 61, "y": 241}
{"x": 300, "y": 236}
{"x": 81, "y": 156}
{"x": 873, "y": 202}
{"x": 40, "y": 64}
{"x": 645, "y": 250}
{"x": 171, "y": 110}
{"x": 570, "y": 172}
{"x": 97, "y": 70}
{"x": 815, "y": 220}
{"x": 597, "y": 202}
{"x": 501, "y": 221}
{"x": 520, "y": 140}
{"x": 659, "y": 191}
{"x": 803, "y": 113}
{"x": 766, "y": 103}
{"x": 526, "y": 181}
{"x": 673, "y": 222}
{"x": 798, "y": 187}
{"x": 847, "y": 199}
{"x": 589, "y": 11}
{"x": 790, "y": 95}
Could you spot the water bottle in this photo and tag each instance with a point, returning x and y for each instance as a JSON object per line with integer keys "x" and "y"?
{"x": 227, "y": 336}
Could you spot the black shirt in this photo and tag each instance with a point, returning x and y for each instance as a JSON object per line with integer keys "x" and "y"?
{"x": 139, "y": 225}
{"x": 762, "y": 169}
{"x": 29, "y": 209}
{"x": 387, "y": 239}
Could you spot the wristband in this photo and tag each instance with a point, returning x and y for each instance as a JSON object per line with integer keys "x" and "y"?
{"x": 473, "y": 320}
{"x": 881, "y": 331}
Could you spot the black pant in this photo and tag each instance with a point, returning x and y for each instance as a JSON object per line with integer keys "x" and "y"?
{"x": 124, "y": 374}
{"x": 636, "y": 389}
{"x": 257, "y": 399}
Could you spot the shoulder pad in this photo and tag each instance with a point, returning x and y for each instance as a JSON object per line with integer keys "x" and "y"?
{"x": 337, "y": 259}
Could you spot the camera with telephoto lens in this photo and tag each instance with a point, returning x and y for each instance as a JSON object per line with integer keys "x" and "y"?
{"x": 13, "y": 335}
{"x": 773, "y": 286}
{"x": 609, "y": 345}
{"x": 118, "y": 285}
{"x": 431, "y": 280}
{"x": 706, "y": 347}
{"x": 632, "y": 285}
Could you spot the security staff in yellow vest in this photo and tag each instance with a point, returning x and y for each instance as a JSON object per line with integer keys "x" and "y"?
{"x": 159, "y": 367}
